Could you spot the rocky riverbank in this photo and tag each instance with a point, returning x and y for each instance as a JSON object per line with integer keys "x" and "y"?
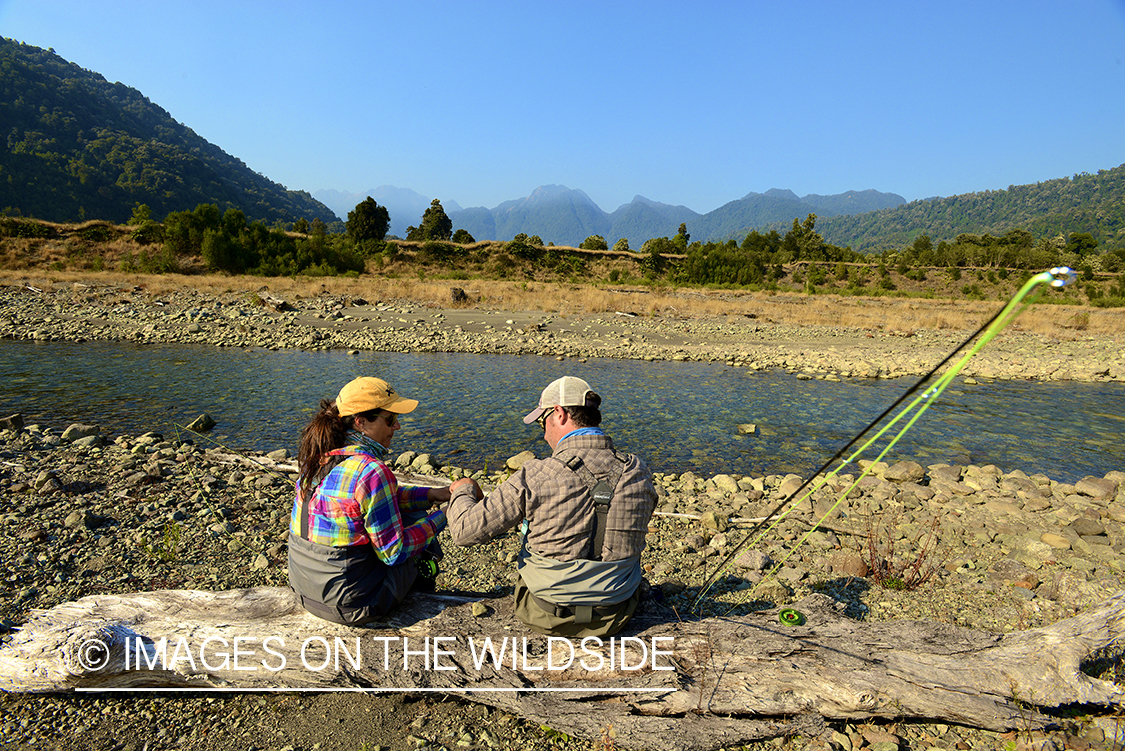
{"x": 85, "y": 514}
{"x": 85, "y": 311}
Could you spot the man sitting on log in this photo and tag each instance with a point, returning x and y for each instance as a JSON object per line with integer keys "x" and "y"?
{"x": 585, "y": 511}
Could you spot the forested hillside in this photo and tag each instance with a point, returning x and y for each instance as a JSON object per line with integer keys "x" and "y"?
{"x": 1085, "y": 203}
{"x": 77, "y": 147}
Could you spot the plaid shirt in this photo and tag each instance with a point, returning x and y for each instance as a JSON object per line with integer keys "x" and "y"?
{"x": 359, "y": 503}
{"x": 558, "y": 504}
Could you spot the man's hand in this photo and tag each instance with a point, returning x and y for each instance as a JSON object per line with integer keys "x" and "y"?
{"x": 477, "y": 492}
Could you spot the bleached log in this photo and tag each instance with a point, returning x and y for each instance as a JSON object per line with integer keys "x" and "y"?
{"x": 683, "y": 684}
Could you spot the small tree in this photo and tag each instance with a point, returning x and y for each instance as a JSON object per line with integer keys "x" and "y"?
{"x": 141, "y": 214}
{"x": 462, "y": 236}
{"x": 621, "y": 245}
{"x": 368, "y": 221}
{"x": 233, "y": 222}
{"x": 594, "y": 242}
{"x": 682, "y": 239}
{"x": 435, "y": 224}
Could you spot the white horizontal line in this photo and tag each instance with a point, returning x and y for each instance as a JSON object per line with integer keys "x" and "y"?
{"x": 219, "y": 689}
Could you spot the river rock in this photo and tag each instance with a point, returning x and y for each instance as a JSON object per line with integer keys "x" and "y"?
{"x": 905, "y": 471}
{"x": 847, "y": 564}
{"x": 1058, "y": 542}
{"x": 753, "y": 560}
{"x": 725, "y": 483}
{"x": 1014, "y": 573}
{"x": 715, "y": 521}
{"x": 11, "y": 422}
{"x": 747, "y": 428}
{"x": 422, "y": 461}
{"x": 201, "y": 424}
{"x": 77, "y": 430}
{"x": 1098, "y": 488}
{"x": 1084, "y": 526}
{"x": 517, "y": 461}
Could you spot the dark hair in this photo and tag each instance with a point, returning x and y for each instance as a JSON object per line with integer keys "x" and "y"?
{"x": 325, "y": 431}
{"x": 588, "y": 416}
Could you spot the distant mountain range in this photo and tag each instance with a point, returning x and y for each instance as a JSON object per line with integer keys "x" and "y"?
{"x": 567, "y": 217}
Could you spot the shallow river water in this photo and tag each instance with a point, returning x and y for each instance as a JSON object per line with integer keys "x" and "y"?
{"x": 680, "y": 416}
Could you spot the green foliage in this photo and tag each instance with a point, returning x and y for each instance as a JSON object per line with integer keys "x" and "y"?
{"x": 594, "y": 242}
{"x": 166, "y": 548}
{"x": 96, "y": 232}
{"x": 761, "y": 258}
{"x": 83, "y": 146}
{"x": 462, "y": 236}
{"x": 621, "y": 245}
{"x": 436, "y": 225}
{"x": 439, "y": 252}
{"x": 148, "y": 232}
{"x": 141, "y": 214}
{"x": 226, "y": 243}
{"x": 1087, "y": 208}
{"x": 368, "y": 221}
{"x": 521, "y": 248}
{"x": 27, "y": 228}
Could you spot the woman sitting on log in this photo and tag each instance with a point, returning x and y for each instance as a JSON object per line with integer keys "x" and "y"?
{"x": 357, "y": 539}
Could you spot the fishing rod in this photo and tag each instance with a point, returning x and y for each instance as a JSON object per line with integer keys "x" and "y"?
{"x": 1055, "y": 277}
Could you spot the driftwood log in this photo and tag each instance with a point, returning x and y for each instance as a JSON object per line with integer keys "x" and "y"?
{"x": 663, "y": 683}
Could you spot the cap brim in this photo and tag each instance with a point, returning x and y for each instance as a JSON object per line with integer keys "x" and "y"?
{"x": 402, "y": 406}
{"x": 535, "y": 414}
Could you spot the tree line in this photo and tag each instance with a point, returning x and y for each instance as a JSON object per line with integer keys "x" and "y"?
{"x": 227, "y": 242}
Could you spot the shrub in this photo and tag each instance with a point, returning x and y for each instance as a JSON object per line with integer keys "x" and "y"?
{"x": 594, "y": 242}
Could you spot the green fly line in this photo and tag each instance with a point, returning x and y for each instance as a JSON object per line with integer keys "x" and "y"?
{"x": 909, "y": 415}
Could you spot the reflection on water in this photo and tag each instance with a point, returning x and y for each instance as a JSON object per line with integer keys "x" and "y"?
{"x": 680, "y": 416}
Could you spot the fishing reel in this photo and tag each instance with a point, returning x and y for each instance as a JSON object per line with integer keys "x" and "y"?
{"x": 427, "y": 567}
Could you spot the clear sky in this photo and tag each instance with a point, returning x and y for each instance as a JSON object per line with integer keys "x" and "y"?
{"x": 684, "y": 103}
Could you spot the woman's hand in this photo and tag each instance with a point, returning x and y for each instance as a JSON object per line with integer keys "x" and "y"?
{"x": 438, "y": 496}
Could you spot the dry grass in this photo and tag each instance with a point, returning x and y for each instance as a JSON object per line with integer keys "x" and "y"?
{"x": 891, "y": 315}
{"x": 495, "y": 280}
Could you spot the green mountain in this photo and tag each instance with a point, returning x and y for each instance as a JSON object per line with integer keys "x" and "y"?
{"x": 78, "y": 147}
{"x": 1093, "y": 204}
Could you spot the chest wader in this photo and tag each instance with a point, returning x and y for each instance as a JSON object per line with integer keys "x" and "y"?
{"x": 347, "y": 584}
{"x": 601, "y": 491}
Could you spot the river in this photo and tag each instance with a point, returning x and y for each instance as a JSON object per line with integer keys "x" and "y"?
{"x": 679, "y": 415}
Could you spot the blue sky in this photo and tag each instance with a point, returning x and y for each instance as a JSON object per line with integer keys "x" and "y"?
{"x": 692, "y": 104}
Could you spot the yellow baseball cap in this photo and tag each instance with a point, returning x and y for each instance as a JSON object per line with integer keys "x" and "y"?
{"x": 367, "y": 393}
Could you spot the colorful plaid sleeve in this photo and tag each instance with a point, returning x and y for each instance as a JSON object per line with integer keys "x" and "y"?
{"x": 394, "y": 541}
